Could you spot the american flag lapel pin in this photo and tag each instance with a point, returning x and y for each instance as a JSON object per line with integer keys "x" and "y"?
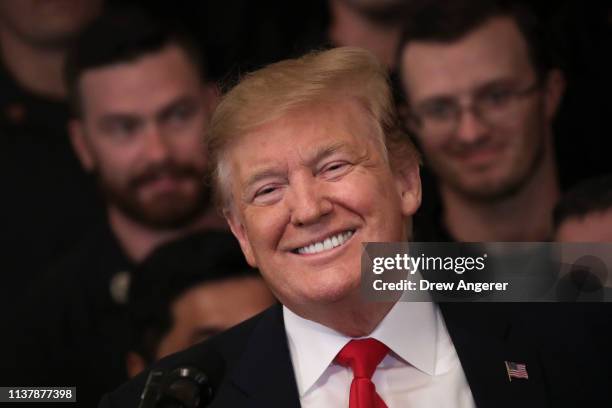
{"x": 516, "y": 370}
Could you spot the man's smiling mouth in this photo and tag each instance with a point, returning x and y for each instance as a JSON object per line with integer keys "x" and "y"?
{"x": 326, "y": 244}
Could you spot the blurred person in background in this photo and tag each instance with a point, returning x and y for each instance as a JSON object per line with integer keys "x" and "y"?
{"x": 141, "y": 104}
{"x": 176, "y": 304}
{"x": 481, "y": 94}
{"x": 584, "y": 213}
{"x": 38, "y": 164}
{"x": 371, "y": 24}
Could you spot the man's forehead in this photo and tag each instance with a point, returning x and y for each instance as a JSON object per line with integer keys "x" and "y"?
{"x": 301, "y": 139}
{"x": 150, "y": 79}
{"x": 493, "y": 51}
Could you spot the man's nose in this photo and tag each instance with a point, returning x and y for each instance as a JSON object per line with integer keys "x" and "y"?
{"x": 156, "y": 144}
{"x": 307, "y": 202}
{"x": 470, "y": 128}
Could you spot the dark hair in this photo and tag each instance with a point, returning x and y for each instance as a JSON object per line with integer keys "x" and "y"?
{"x": 118, "y": 36}
{"x": 450, "y": 20}
{"x": 168, "y": 273}
{"x": 589, "y": 196}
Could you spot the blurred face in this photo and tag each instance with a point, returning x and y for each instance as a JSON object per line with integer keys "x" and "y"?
{"x": 308, "y": 189}
{"x": 502, "y": 125}
{"x": 142, "y": 134}
{"x": 48, "y": 22}
{"x": 212, "y": 307}
{"x": 350, "y": 27}
{"x": 593, "y": 227}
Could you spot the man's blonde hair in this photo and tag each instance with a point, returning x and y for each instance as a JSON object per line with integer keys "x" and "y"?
{"x": 271, "y": 92}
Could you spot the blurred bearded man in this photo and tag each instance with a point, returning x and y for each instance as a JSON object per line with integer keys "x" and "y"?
{"x": 141, "y": 107}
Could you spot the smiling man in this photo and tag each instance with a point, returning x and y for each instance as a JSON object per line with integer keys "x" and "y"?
{"x": 302, "y": 208}
{"x": 482, "y": 93}
{"x": 310, "y": 164}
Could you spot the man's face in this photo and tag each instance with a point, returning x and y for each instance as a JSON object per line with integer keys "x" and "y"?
{"x": 487, "y": 154}
{"x": 593, "y": 227}
{"x": 308, "y": 189}
{"x": 48, "y": 22}
{"x": 142, "y": 134}
{"x": 212, "y": 307}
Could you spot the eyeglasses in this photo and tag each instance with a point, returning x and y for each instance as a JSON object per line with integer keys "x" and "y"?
{"x": 492, "y": 104}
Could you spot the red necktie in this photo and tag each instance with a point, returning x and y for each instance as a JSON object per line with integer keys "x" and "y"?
{"x": 363, "y": 356}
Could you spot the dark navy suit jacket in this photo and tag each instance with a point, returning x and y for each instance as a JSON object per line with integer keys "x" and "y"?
{"x": 250, "y": 365}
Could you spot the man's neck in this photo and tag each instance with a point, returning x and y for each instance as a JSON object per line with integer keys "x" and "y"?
{"x": 356, "y": 318}
{"x": 38, "y": 70}
{"x": 524, "y": 216}
{"x": 138, "y": 240}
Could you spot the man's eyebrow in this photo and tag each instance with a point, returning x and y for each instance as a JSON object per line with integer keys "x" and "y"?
{"x": 486, "y": 86}
{"x": 311, "y": 161}
{"x": 261, "y": 175}
{"x": 324, "y": 152}
{"x": 111, "y": 118}
{"x": 480, "y": 87}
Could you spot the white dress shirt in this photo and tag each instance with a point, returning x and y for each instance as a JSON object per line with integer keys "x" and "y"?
{"x": 421, "y": 370}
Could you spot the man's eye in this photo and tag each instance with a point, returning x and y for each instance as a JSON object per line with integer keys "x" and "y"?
{"x": 335, "y": 169}
{"x": 439, "y": 111}
{"x": 264, "y": 191}
{"x": 122, "y": 129}
{"x": 180, "y": 114}
{"x": 335, "y": 166}
{"x": 267, "y": 195}
{"x": 496, "y": 97}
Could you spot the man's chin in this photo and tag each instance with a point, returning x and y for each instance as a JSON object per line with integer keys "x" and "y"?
{"x": 487, "y": 189}
{"x": 334, "y": 294}
{"x": 164, "y": 222}
{"x": 163, "y": 211}
{"x": 164, "y": 215}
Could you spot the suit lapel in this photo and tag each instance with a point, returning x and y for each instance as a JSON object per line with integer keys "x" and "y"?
{"x": 484, "y": 342}
{"x": 264, "y": 372}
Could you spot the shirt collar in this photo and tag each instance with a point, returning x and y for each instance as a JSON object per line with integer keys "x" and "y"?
{"x": 409, "y": 330}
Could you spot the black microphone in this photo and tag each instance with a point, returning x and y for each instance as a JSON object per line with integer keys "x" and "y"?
{"x": 183, "y": 387}
{"x": 584, "y": 282}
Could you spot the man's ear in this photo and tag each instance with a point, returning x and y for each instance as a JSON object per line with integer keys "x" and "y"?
{"x": 408, "y": 182}
{"x": 408, "y": 119}
{"x": 554, "y": 88}
{"x": 80, "y": 144}
{"x": 211, "y": 96}
{"x": 239, "y": 232}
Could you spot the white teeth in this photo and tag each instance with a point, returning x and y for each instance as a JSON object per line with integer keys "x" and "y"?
{"x": 326, "y": 244}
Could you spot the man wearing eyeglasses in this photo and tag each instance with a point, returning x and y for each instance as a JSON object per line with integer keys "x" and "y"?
{"x": 481, "y": 98}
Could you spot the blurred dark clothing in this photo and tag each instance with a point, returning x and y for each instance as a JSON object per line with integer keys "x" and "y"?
{"x": 428, "y": 224}
{"x": 581, "y": 33}
{"x": 73, "y": 328}
{"x": 250, "y": 364}
{"x": 48, "y": 200}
